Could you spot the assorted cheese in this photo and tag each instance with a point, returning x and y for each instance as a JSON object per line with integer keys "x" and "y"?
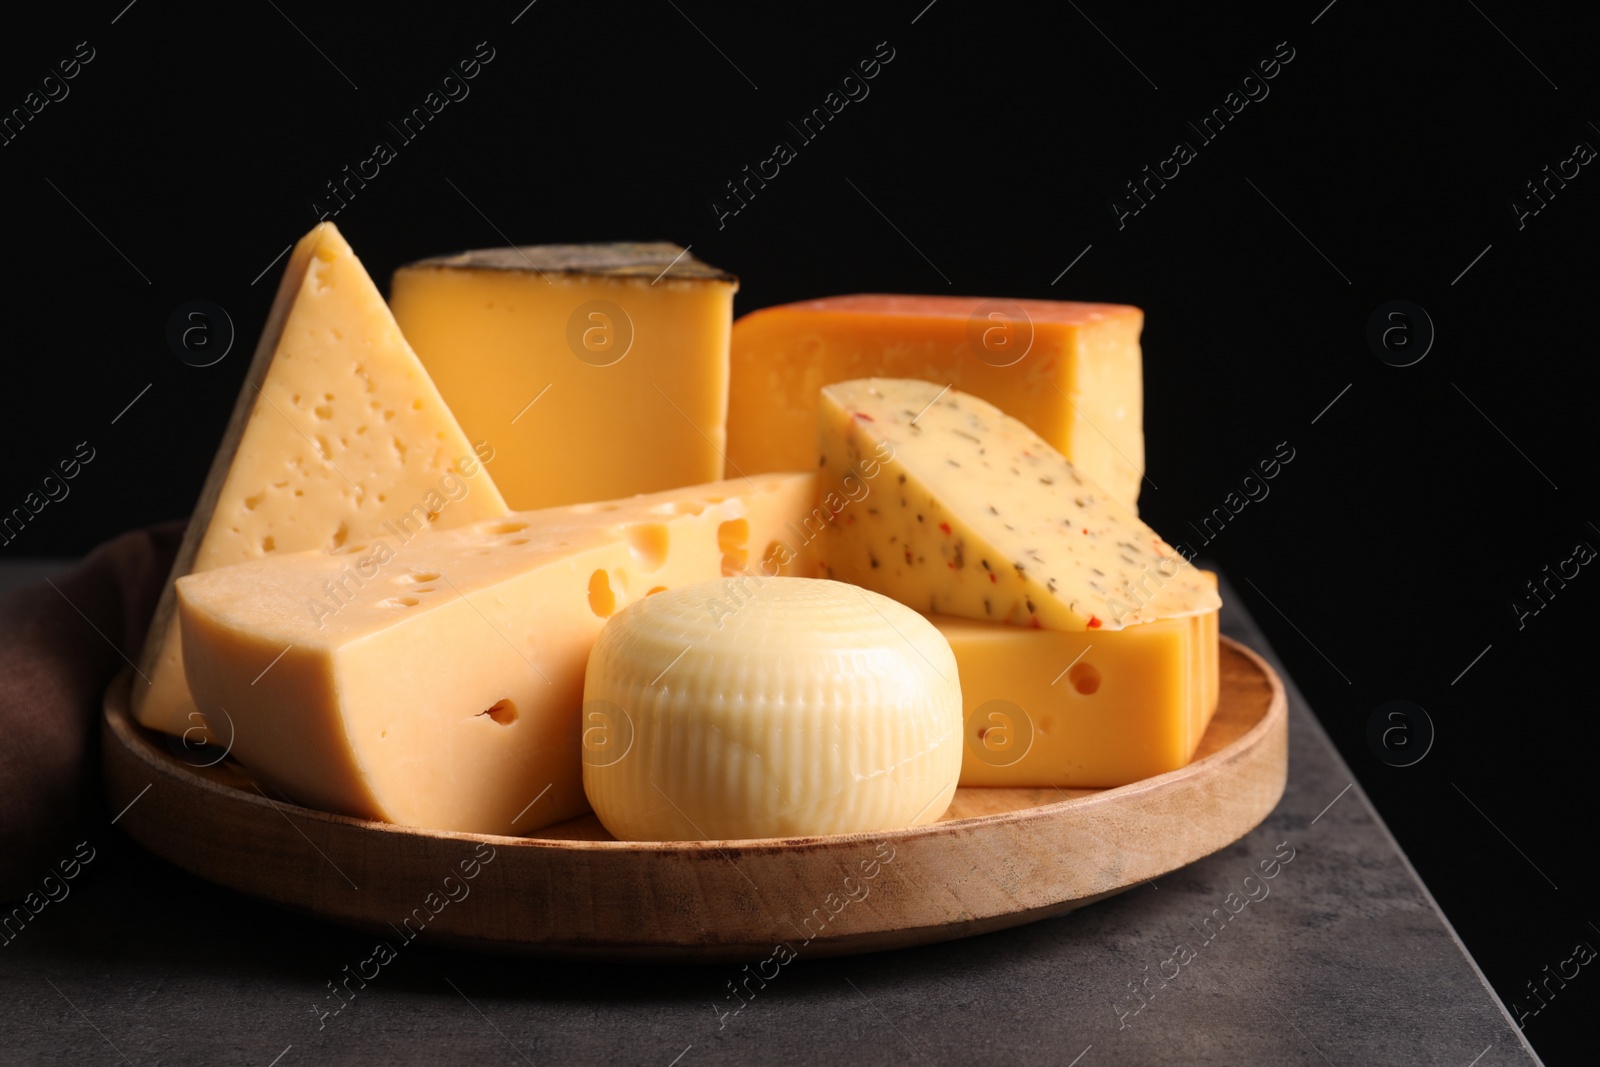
{"x": 780, "y": 707}
{"x": 338, "y": 435}
{"x": 976, "y": 515}
{"x": 1082, "y": 710}
{"x": 439, "y": 683}
{"x": 925, "y": 566}
{"x": 1071, "y": 372}
{"x": 596, "y": 371}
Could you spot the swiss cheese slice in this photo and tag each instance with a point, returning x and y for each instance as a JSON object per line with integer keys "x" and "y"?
{"x": 1071, "y": 371}
{"x": 437, "y": 681}
{"x": 755, "y": 708}
{"x": 338, "y": 434}
{"x": 612, "y": 357}
{"x": 971, "y": 513}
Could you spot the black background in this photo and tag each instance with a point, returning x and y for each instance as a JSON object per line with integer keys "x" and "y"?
{"x": 984, "y": 161}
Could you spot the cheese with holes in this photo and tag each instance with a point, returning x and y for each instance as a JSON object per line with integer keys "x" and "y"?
{"x": 437, "y": 680}
{"x": 976, "y": 515}
{"x": 338, "y": 434}
{"x": 1069, "y": 371}
{"x": 756, "y": 708}
{"x": 755, "y": 540}
{"x": 596, "y": 370}
{"x": 1085, "y": 710}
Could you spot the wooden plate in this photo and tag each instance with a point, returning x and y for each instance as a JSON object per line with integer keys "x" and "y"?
{"x": 998, "y": 858}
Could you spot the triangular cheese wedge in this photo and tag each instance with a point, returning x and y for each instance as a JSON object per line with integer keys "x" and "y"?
{"x": 337, "y": 436}
{"x": 946, "y": 503}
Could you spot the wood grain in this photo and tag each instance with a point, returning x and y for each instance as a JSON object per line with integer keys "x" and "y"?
{"x": 998, "y": 858}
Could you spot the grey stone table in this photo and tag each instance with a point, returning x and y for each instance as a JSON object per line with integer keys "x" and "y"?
{"x": 1347, "y": 960}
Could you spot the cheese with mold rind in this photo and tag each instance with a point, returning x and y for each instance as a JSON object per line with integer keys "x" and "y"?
{"x": 598, "y": 370}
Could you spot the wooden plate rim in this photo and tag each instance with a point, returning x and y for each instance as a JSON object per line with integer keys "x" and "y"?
{"x": 138, "y": 741}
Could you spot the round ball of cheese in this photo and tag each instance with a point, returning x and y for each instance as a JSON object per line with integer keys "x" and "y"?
{"x": 755, "y": 707}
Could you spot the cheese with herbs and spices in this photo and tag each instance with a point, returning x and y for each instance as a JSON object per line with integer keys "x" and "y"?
{"x": 1072, "y": 371}
{"x": 974, "y": 514}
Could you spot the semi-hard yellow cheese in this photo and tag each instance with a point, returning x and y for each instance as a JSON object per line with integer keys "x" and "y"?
{"x": 337, "y": 436}
{"x": 1070, "y": 371}
{"x": 1082, "y": 710}
{"x": 978, "y": 516}
{"x": 752, "y": 708}
{"x": 762, "y": 540}
{"x": 596, "y": 371}
{"x": 437, "y": 681}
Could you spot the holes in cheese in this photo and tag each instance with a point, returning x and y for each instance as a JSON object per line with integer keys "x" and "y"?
{"x": 733, "y": 538}
{"x": 771, "y": 511}
{"x": 372, "y": 707}
{"x": 650, "y": 541}
{"x": 1085, "y": 678}
{"x": 770, "y": 708}
{"x": 298, "y": 470}
{"x": 602, "y": 601}
{"x": 946, "y": 503}
{"x": 503, "y": 712}
{"x": 1093, "y": 709}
